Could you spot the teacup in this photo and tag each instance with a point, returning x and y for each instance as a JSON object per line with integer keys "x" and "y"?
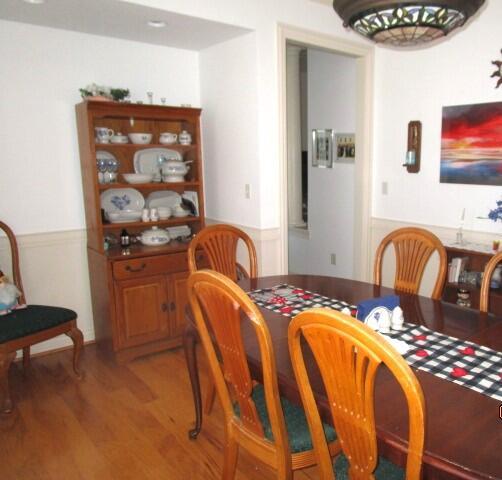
{"x": 103, "y": 134}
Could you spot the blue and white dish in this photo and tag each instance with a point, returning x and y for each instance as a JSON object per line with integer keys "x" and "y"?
{"x": 122, "y": 199}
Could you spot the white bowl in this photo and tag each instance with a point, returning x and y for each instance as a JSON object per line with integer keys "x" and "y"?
{"x": 180, "y": 212}
{"x": 164, "y": 212}
{"x": 138, "y": 177}
{"x": 124, "y": 216}
{"x": 140, "y": 138}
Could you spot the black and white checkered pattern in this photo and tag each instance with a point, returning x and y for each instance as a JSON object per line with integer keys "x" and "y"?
{"x": 290, "y": 301}
{"x": 464, "y": 363}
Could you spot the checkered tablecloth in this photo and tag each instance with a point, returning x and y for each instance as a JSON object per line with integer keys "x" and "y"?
{"x": 290, "y": 301}
{"x": 462, "y": 362}
{"x": 459, "y": 361}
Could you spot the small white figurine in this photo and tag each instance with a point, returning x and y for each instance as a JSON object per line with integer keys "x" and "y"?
{"x": 384, "y": 321}
{"x": 346, "y": 311}
{"x": 397, "y": 318}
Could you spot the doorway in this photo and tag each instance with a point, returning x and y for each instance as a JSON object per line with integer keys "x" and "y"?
{"x": 321, "y": 122}
{"x": 352, "y": 261}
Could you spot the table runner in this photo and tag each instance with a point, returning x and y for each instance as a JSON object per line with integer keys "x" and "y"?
{"x": 459, "y": 361}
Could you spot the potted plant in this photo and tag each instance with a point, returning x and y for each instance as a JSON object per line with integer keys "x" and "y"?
{"x": 103, "y": 93}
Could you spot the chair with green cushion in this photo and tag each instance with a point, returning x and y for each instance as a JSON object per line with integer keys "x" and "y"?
{"x": 26, "y": 326}
{"x": 255, "y": 417}
{"x": 349, "y": 354}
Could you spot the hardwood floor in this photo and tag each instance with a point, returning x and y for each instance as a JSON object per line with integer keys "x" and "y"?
{"x": 119, "y": 422}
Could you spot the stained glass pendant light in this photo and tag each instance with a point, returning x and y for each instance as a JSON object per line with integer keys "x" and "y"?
{"x": 405, "y": 23}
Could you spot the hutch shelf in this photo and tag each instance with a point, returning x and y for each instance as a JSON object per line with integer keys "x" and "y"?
{"x": 138, "y": 293}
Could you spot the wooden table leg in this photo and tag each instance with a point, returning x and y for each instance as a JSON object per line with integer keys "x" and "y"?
{"x": 189, "y": 342}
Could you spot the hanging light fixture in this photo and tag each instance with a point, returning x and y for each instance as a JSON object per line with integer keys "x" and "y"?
{"x": 405, "y": 23}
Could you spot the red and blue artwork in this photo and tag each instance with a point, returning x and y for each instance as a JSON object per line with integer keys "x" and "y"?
{"x": 471, "y": 144}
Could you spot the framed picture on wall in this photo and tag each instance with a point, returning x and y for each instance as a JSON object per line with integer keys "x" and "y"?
{"x": 322, "y": 148}
{"x": 345, "y": 144}
{"x": 471, "y": 144}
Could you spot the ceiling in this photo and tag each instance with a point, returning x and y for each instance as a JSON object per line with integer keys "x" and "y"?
{"x": 121, "y": 19}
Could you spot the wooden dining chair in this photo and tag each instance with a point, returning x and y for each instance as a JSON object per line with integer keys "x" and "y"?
{"x": 258, "y": 420}
{"x": 219, "y": 244}
{"x": 413, "y": 247}
{"x": 32, "y": 324}
{"x": 348, "y": 354}
{"x": 484, "y": 295}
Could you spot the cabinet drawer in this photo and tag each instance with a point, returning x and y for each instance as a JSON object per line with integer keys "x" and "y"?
{"x": 140, "y": 267}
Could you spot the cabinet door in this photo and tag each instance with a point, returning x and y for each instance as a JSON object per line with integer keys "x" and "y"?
{"x": 143, "y": 312}
{"x": 178, "y": 284}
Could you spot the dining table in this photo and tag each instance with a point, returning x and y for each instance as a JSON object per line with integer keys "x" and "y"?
{"x": 463, "y": 430}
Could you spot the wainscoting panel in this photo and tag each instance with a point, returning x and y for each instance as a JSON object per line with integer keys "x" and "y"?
{"x": 54, "y": 271}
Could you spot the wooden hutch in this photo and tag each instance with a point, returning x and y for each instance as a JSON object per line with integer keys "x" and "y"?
{"x": 138, "y": 293}
{"x": 476, "y": 262}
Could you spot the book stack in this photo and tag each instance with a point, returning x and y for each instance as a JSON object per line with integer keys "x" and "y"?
{"x": 455, "y": 268}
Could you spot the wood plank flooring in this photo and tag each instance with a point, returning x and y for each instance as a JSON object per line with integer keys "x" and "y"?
{"x": 119, "y": 422}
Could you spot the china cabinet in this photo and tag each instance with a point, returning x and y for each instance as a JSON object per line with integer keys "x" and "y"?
{"x": 138, "y": 292}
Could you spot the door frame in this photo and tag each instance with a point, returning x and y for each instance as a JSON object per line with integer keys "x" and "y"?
{"x": 364, "y": 56}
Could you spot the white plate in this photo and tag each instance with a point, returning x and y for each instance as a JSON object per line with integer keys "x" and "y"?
{"x": 163, "y": 198}
{"x": 147, "y": 160}
{"x": 117, "y": 199}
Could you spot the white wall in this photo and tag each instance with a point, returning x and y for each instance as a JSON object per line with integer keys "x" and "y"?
{"x": 263, "y": 17}
{"x": 40, "y": 181}
{"x": 228, "y": 89}
{"x": 415, "y": 85}
{"x": 42, "y": 70}
{"x": 331, "y": 103}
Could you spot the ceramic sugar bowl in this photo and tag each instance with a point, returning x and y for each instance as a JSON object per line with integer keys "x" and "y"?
{"x": 174, "y": 170}
{"x": 185, "y": 138}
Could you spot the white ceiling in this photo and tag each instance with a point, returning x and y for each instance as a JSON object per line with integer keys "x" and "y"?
{"x": 120, "y": 19}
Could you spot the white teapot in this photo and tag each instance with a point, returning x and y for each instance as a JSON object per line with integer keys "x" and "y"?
{"x": 185, "y": 138}
{"x": 174, "y": 170}
{"x": 154, "y": 236}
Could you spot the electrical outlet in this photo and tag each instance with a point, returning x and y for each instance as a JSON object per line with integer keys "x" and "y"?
{"x": 385, "y": 188}
{"x": 247, "y": 191}
{"x": 333, "y": 258}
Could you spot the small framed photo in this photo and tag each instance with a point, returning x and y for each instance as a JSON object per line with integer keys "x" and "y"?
{"x": 322, "y": 148}
{"x": 345, "y": 147}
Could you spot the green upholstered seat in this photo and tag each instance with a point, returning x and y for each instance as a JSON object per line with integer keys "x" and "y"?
{"x": 32, "y": 319}
{"x": 385, "y": 470}
{"x": 296, "y": 422}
